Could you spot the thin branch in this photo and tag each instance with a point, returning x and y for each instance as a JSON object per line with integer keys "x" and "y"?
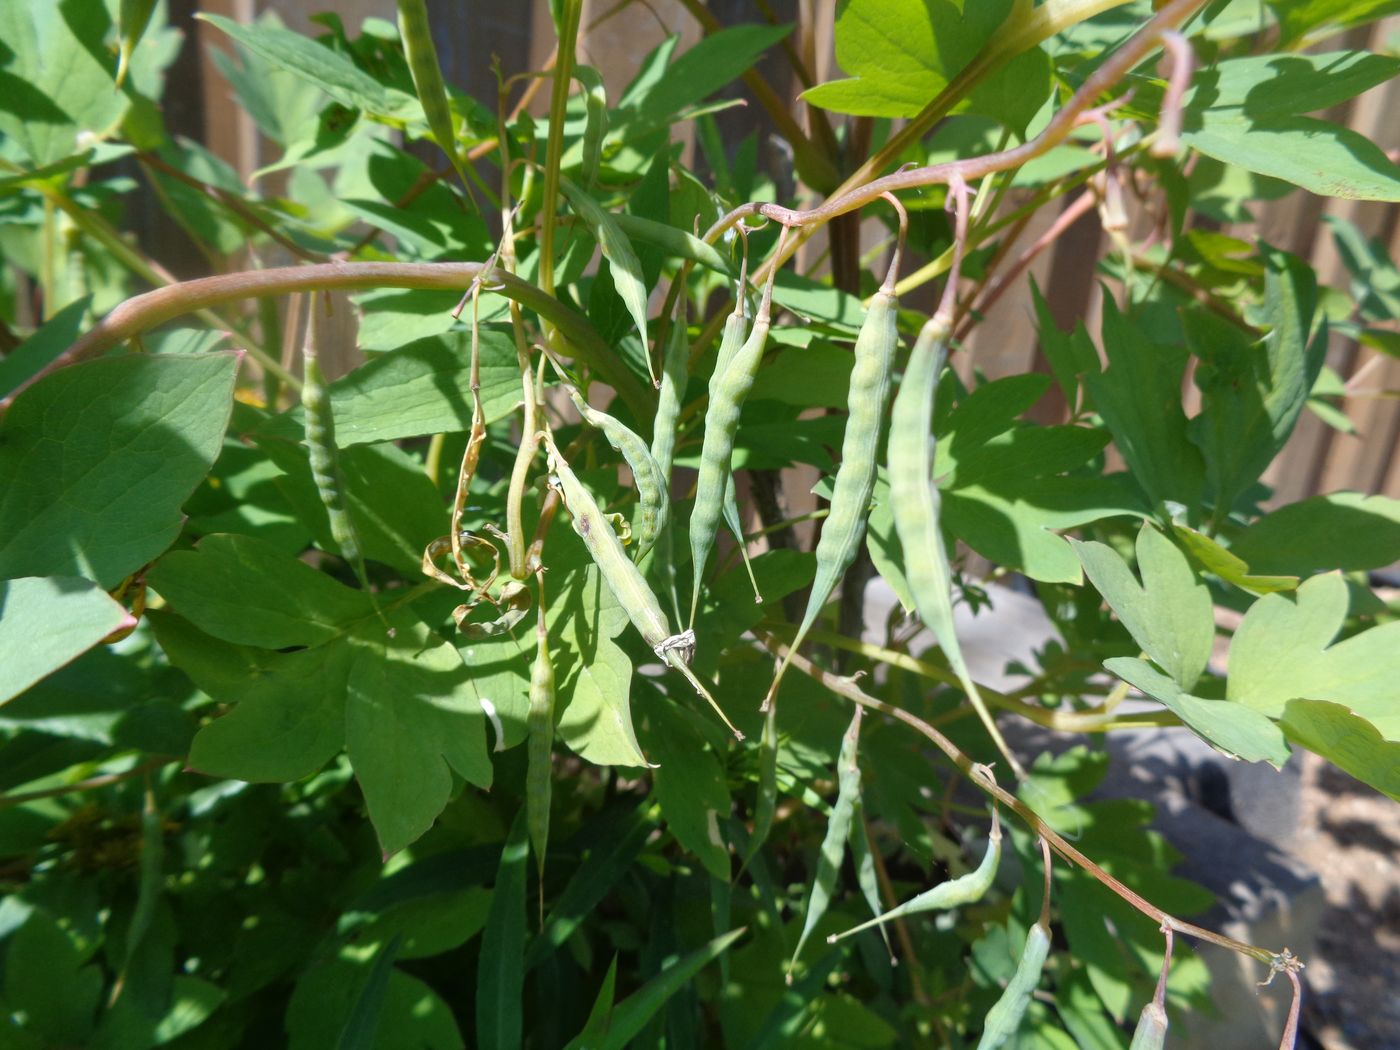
{"x": 847, "y": 688}
{"x": 143, "y": 312}
{"x": 91, "y": 784}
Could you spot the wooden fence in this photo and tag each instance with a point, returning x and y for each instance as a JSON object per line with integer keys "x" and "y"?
{"x": 470, "y": 32}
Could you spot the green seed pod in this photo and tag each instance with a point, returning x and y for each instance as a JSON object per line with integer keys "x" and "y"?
{"x": 730, "y": 384}
{"x": 540, "y": 719}
{"x": 844, "y": 529}
{"x": 1151, "y": 1031}
{"x": 1004, "y": 1018}
{"x": 964, "y": 890}
{"x": 838, "y": 830}
{"x": 625, "y": 580}
{"x": 422, "y": 57}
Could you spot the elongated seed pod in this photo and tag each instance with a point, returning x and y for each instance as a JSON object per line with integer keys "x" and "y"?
{"x": 672, "y": 240}
{"x": 133, "y": 16}
{"x": 915, "y": 502}
{"x": 863, "y": 856}
{"x": 838, "y": 830}
{"x": 766, "y": 804}
{"x": 625, "y": 580}
{"x": 540, "y": 719}
{"x": 844, "y": 528}
{"x": 322, "y": 452}
{"x": 951, "y": 894}
{"x": 595, "y": 121}
{"x": 1151, "y": 1031}
{"x": 617, "y": 248}
{"x": 729, "y": 389}
{"x": 422, "y": 57}
{"x": 653, "y": 502}
{"x": 675, "y": 371}
{"x": 1004, "y": 1018}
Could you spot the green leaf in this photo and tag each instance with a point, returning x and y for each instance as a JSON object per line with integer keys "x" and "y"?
{"x": 1341, "y": 530}
{"x": 1298, "y": 18}
{"x": 100, "y": 456}
{"x": 1252, "y": 394}
{"x": 1003, "y": 490}
{"x": 1228, "y": 565}
{"x": 627, "y": 1019}
{"x": 1375, "y": 280}
{"x": 814, "y": 376}
{"x": 412, "y": 1017}
{"x": 624, "y": 266}
{"x": 652, "y": 102}
{"x": 55, "y": 87}
{"x": 1139, "y": 397}
{"x": 1250, "y": 111}
{"x": 397, "y": 511}
{"x": 56, "y": 335}
{"x": 1347, "y": 740}
{"x": 362, "y": 1025}
{"x": 411, "y": 720}
{"x": 690, "y": 785}
{"x": 594, "y": 674}
{"x": 1284, "y": 650}
{"x": 595, "y": 719}
{"x": 1169, "y": 614}
{"x": 288, "y": 718}
{"x": 315, "y": 63}
{"x": 46, "y": 622}
{"x": 243, "y": 590}
{"x": 1011, "y": 525}
{"x": 500, "y": 982}
{"x": 1237, "y": 730}
{"x": 900, "y": 55}
{"x": 611, "y": 852}
{"x": 46, "y": 981}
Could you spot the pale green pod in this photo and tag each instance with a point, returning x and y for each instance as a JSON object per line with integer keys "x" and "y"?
{"x": 951, "y": 894}
{"x": 729, "y": 389}
{"x": 1151, "y": 1031}
{"x": 915, "y": 503}
{"x": 863, "y": 855}
{"x": 838, "y": 830}
{"x": 653, "y": 500}
{"x": 844, "y": 528}
{"x": 421, "y": 54}
{"x": 323, "y": 454}
{"x": 538, "y": 775}
{"x": 595, "y": 122}
{"x": 1005, "y": 1016}
{"x": 625, "y": 580}
{"x": 736, "y": 529}
{"x": 675, "y": 371}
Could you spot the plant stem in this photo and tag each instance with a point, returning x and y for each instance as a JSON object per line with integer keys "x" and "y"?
{"x": 91, "y": 784}
{"x": 558, "y": 103}
{"x": 138, "y": 314}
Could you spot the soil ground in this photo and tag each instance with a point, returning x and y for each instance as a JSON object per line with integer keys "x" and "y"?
{"x": 1350, "y": 835}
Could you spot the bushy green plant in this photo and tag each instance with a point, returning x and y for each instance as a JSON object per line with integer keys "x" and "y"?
{"x": 269, "y": 659}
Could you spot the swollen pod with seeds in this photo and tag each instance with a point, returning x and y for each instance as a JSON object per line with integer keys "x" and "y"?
{"x": 844, "y": 528}
{"x": 625, "y": 580}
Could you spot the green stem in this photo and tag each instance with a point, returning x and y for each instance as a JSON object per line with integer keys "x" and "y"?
{"x": 558, "y": 103}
